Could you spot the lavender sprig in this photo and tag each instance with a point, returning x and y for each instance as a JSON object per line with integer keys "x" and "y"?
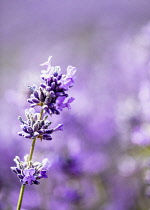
{"x": 52, "y": 97}
{"x": 29, "y": 172}
{"x": 34, "y": 127}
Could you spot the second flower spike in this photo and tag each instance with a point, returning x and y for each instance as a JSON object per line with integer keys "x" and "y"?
{"x": 34, "y": 127}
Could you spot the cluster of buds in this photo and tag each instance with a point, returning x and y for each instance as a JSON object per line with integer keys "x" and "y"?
{"x": 35, "y": 127}
{"x": 51, "y": 95}
{"x": 29, "y": 172}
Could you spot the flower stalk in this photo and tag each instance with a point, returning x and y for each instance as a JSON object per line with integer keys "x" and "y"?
{"x": 32, "y": 149}
{"x": 20, "y": 196}
{"x": 51, "y": 97}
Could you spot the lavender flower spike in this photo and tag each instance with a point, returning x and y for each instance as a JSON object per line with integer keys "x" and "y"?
{"x": 34, "y": 127}
{"x": 54, "y": 89}
{"x": 30, "y": 173}
{"x": 48, "y": 62}
{"x": 51, "y": 97}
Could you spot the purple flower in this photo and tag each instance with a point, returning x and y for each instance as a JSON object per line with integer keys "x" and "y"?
{"x": 70, "y": 166}
{"x": 29, "y": 172}
{"x": 72, "y": 195}
{"x": 51, "y": 95}
{"x": 141, "y": 135}
{"x": 34, "y": 127}
{"x": 61, "y": 104}
{"x": 28, "y": 176}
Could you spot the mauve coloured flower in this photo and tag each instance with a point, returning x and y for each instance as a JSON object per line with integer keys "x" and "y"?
{"x": 35, "y": 127}
{"x": 29, "y": 172}
{"x": 72, "y": 195}
{"x": 61, "y": 104}
{"x": 51, "y": 95}
{"x": 70, "y": 166}
{"x": 28, "y": 176}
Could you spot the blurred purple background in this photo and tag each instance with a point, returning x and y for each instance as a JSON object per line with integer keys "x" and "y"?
{"x": 101, "y": 158}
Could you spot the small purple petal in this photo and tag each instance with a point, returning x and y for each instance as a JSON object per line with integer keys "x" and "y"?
{"x": 48, "y": 88}
{"x": 36, "y": 94}
{"x": 53, "y": 85}
{"x": 43, "y": 85}
{"x": 35, "y": 100}
{"x": 20, "y": 133}
{"x": 43, "y": 174}
{"x": 29, "y": 100}
{"x": 59, "y": 127}
{"x": 27, "y": 135}
{"x": 47, "y": 137}
{"x": 49, "y": 131}
{"x": 71, "y": 99}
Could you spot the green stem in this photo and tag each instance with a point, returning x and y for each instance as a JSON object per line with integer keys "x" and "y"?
{"x": 32, "y": 149}
{"x": 34, "y": 140}
{"x": 20, "y": 197}
{"x": 29, "y": 159}
{"x": 41, "y": 114}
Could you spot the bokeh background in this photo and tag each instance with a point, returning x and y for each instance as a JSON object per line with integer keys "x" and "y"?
{"x": 101, "y": 159}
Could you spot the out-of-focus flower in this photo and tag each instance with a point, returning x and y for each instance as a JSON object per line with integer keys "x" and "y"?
{"x": 72, "y": 195}
{"x": 29, "y": 172}
{"x": 70, "y": 166}
{"x": 141, "y": 135}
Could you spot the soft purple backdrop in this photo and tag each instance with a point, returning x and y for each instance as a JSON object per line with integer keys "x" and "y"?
{"x": 99, "y": 161}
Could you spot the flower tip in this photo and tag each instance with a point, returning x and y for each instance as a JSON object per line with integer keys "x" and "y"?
{"x": 47, "y": 63}
{"x": 59, "y": 127}
{"x": 20, "y": 119}
{"x": 71, "y": 99}
{"x": 46, "y": 164}
{"x": 71, "y": 70}
{"x": 20, "y": 133}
